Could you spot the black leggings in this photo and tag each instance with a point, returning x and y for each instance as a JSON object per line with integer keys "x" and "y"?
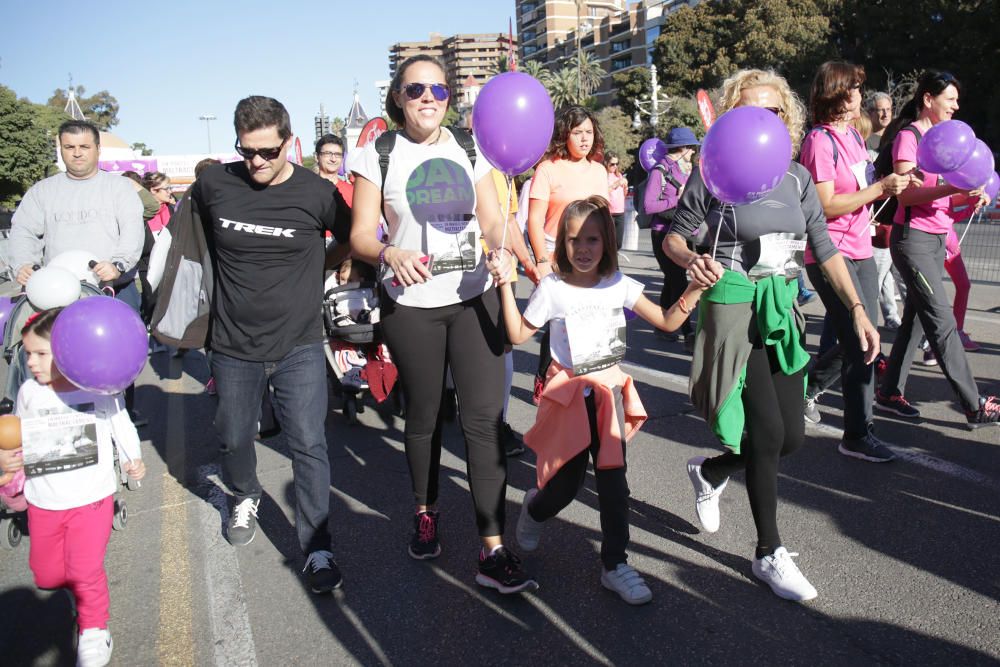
{"x": 773, "y": 404}
{"x": 674, "y": 277}
{"x": 424, "y": 342}
{"x": 612, "y": 492}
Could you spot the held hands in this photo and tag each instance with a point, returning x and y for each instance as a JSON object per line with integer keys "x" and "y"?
{"x": 704, "y": 271}
{"x": 407, "y": 266}
{"x": 11, "y": 460}
{"x": 893, "y": 184}
{"x": 106, "y": 272}
{"x": 866, "y": 332}
{"x": 498, "y": 261}
{"x": 543, "y": 269}
{"x": 135, "y": 469}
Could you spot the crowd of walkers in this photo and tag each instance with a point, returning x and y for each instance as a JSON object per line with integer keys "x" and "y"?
{"x": 425, "y": 209}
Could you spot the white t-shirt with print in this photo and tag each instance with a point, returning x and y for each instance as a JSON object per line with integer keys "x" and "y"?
{"x": 588, "y": 323}
{"x": 84, "y": 485}
{"x": 430, "y": 206}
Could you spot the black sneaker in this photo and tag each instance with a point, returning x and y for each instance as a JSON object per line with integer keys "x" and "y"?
{"x": 511, "y": 443}
{"x": 987, "y": 414}
{"x": 322, "y": 573}
{"x": 243, "y": 523}
{"x": 869, "y": 448}
{"x": 502, "y": 570}
{"x": 896, "y": 404}
{"x": 424, "y": 544}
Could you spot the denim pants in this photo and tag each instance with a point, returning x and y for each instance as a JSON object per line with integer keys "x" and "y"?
{"x": 300, "y": 402}
{"x": 129, "y": 294}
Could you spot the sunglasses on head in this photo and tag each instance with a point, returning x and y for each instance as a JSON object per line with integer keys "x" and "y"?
{"x": 777, "y": 111}
{"x": 415, "y": 90}
{"x": 265, "y": 153}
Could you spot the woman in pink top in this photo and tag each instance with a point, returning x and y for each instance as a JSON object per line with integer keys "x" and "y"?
{"x": 918, "y": 245}
{"x": 617, "y": 189}
{"x": 836, "y": 156}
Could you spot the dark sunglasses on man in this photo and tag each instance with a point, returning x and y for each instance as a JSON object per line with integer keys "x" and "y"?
{"x": 415, "y": 90}
{"x": 265, "y": 153}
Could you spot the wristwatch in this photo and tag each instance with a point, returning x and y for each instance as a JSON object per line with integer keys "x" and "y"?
{"x": 120, "y": 266}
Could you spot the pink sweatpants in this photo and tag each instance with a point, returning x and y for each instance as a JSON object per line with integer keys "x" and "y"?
{"x": 67, "y": 551}
{"x": 955, "y": 267}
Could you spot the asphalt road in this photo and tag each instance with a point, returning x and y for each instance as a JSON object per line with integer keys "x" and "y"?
{"x": 903, "y": 554}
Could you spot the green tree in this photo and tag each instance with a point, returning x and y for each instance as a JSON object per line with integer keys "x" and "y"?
{"x": 591, "y": 75}
{"x": 562, "y": 87}
{"x": 619, "y": 137}
{"x": 25, "y": 148}
{"x": 100, "y": 109}
{"x": 499, "y": 66}
{"x": 535, "y": 69}
{"x": 142, "y": 148}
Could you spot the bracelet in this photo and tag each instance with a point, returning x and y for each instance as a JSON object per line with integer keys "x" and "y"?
{"x": 381, "y": 254}
{"x": 855, "y": 305}
{"x": 543, "y": 260}
{"x": 682, "y": 304}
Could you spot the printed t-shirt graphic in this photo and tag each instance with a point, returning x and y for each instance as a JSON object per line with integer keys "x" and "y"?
{"x": 61, "y": 439}
{"x": 442, "y": 198}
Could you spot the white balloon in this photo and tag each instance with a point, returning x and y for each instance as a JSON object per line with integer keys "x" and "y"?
{"x": 52, "y": 287}
{"x": 77, "y": 262}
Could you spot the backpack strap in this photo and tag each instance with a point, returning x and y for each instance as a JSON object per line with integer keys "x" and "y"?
{"x": 384, "y": 144}
{"x": 465, "y": 140}
{"x": 907, "y": 212}
{"x": 833, "y": 144}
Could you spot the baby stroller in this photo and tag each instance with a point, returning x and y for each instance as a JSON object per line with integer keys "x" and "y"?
{"x": 15, "y": 367}
{"x": 351, "y": 316}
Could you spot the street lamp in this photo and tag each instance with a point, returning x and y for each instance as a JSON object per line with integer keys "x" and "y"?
{"x": 208, "y": 118}
{"x": 653, "y": 103}
{"x": 579, "y": 50}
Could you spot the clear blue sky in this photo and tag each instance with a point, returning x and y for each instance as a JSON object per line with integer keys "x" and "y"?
{"x": 169, "y": 62}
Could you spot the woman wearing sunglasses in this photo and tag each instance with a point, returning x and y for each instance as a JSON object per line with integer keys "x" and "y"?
{"x": 617, "y": 190}
{"x": 918, "y": 243}
{"x": 739, "y": 384}
{"x": 439, "y": 307}
{"x": 837, "y": 159}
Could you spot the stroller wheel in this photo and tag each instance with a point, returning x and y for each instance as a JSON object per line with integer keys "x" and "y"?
{"x": 10, "y": 534}
{"x": 120, "y": 519}
{"x": 131, "y": 484}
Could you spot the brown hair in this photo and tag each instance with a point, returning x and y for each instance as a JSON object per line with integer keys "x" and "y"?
{"x": 565, "y": 122}
{"x": 154, "y": 179}
{"x": 393, "y": 110}
{"x": 41, "y": 323}
{"x": 204, "y": 164}
{"x": 597, "y": 207}
{"x": 831, "y": 90}
{"x": 258, "y": 112}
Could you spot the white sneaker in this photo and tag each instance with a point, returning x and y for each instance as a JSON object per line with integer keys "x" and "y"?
{"x": 781, "y": 573}
{"x": 529, "y": 531}
{"x": 94, "y": 649}
{"x": 706, "y": 497}
{"x": 629, "y": 585}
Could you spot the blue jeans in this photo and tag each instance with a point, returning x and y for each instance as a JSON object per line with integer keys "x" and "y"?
{"x": 300, "y": 402}
{"x": 130, "y": 295}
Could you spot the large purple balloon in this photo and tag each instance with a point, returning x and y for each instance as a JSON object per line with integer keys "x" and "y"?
{"x": 745, "y": 155}
{"x": 513, "y": 120}
{"x": 992, "y": 186}
{"x": 99, "y": 344}
{"x": 976, "y": 170}
{"x": 946, "y": 147}
{"x": 650, "y": 152}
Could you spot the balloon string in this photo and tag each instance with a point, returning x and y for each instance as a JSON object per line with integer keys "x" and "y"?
{"x": 888, "y": 199}
{"x": 506, "y": 209}
{"x": 968, "y": 226}
{"x": 736, "y": 236}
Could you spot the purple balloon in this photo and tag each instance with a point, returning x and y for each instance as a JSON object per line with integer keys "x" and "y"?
{"x": 992, "y": 186}
{"x": 513, "y": 120}
{"x": 99, "y": 344}
{"x": 7, "y": 304}
{"x": 650, "y": 152}
{"x": 976, "y": 170}
{"x": 946, "y": 147}
{"x": 745, "y": 155}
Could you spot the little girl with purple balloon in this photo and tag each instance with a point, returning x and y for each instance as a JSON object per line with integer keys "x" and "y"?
{"x": 71, "y": 481}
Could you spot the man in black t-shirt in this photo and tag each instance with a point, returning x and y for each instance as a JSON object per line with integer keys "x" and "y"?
{"x": 265, "y": 220}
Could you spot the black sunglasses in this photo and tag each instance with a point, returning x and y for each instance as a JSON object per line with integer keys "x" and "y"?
{"x": 415, "y": 90}
{"x": 777, "y": 111}
{"x": 266, "y": 153}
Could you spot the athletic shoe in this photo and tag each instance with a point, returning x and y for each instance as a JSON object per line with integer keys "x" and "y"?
{"x": 424, "y": 544}
{"x": 967, "y": 343}
{"x": 896, "y": 404}
{"x": 629, "y": 585}
{"x": 529, "y": 531}
{"x": 891, "y": 325}
{"x": 94, "y": 649}
{"x": 210, "y": 387}
{"x": 988, "y": 413}
{"x": 929, "y": 358}
{"x": 780, "y": 573}
{"x": 869, "y": 448}
{"x": 536, "y": 392}
{"x": 502, "y": 570}
{"x": 806, "y": 296}
{"x": 881, "y": 366}
{"x": 706, "y": 496}
{"x": 243, "y": 522}
{"x": 322, "y": 573}
{"x": 512, "y": 444}
{"x": 811, "y": 410}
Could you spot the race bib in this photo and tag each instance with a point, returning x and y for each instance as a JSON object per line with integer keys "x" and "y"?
{"x": 596, "y": 338}
{"x": 864, "y": 174}
{"x": 60, "y": 441}
{"x": 781, "y": 253}
{"x": 442, "y": 199}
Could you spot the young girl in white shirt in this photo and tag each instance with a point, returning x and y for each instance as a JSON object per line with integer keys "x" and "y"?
{"x": 70, "y": 511}
{"x": 589, "y": 406}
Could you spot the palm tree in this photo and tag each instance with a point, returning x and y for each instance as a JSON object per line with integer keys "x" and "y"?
{"x": 591, "y": 74}
{"x": 535, "y": 69}
{"x": 562, "y": 87}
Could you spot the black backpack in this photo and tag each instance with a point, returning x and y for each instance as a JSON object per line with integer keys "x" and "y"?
{"x": 883, "y": 167}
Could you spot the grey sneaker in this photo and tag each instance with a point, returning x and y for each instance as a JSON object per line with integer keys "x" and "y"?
{"x": 811, "y": 410}
{"x": 243, "y": 523}
{"x": 529, "y": 531}
{"x": 869, "y": 448}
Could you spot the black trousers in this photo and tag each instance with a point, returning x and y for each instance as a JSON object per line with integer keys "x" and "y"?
{"x": 612, "y": 492}
{"x": 773, "y": 404}
{"x": 674, "y": 277}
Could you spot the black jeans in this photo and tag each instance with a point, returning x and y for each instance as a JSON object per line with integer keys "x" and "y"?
{"x": 619, "y": 219}
{"x": 773, "y": 405}
{"x": 674, "y": 277}
{"x": 846, "y": 359}
{"x": 424, "y": 342}
{"x": 612, "y": 492}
